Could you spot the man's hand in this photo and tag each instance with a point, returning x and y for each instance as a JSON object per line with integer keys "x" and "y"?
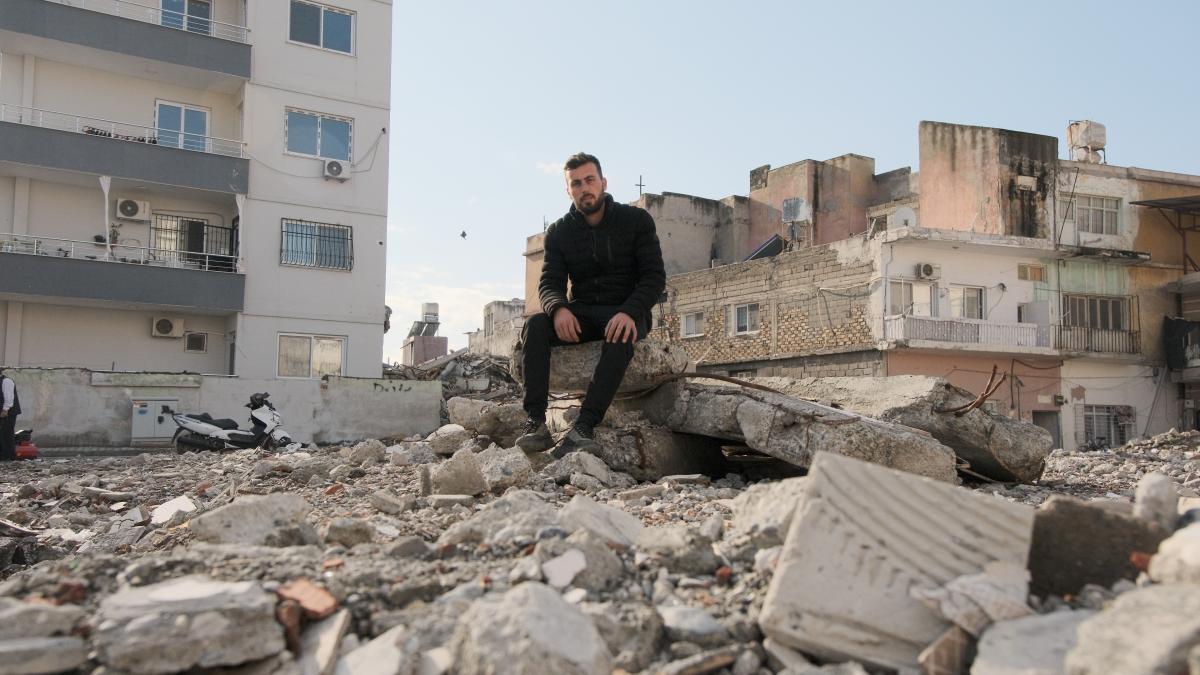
{"x": 620, "y": 328}
{"x": 3, "y": 414}
{"x": 566, "y": 326}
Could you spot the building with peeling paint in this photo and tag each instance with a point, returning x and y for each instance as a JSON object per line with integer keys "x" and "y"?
{"x": 194, "y": 186}
{"x": 998, "y": 259}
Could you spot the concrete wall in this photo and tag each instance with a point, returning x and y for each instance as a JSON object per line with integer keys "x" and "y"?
{"x": 687, "y": 229}
{"x": 535, "y": 253}
{"x": 422, "y": 348}
{"x": 502, "y": 340}
{"x": 1032, "y": 381}
{"x": 71, "y": 407}
{"x": 866, "y": 363}
{"x": 1095, "y": 382}
{"x": 768, "y": 190}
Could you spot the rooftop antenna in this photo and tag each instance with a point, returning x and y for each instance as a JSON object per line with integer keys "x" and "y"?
{"x": 640, "y": 185}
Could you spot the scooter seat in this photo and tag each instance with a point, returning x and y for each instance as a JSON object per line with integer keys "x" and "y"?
{"x": 222, "y": 423}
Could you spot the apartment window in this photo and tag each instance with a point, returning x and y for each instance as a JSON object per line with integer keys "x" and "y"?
{"x": 190, "y": 15}
{"x": 316, "y": 135}
{"x": 693, "y": 324}
{"x": 181, "y": 126}
{"x": 1026, "y": 272}
{"x": 751, "y": 372}
{"x": 1096, "y": 311}
{"x": 911, "y": 298}
{"x": 322, "y": 26}
{"x": 195, "y": 342}
{"x": 1094, "y": 214}
{"x": 309, "y": 244}
{"x": 966, "y": 302}
{"x": 745, "y": 319}
{"x": 1108, "y": 426}
{"x": 310, "y": 356}
{"x": 193, "y": 242}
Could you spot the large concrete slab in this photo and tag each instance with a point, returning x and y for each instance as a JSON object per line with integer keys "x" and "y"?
{"x": 793, "y": 430}
{"x": 861, "y": 539}
{"x": 571, "y": 366}
{"x": 996, "y": 446}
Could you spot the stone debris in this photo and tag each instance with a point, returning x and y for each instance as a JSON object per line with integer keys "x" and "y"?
{"x": 459, "y": 475}
{"x": 996, "y": 446}
{"x": 794, "y": 430}
{"x": 849, "y": 539}
{"x": 592, "y": 564}
{"x": 1157, "y": 501}
{"x": 571, "y": 366}
{"x": 1145, "y": 631}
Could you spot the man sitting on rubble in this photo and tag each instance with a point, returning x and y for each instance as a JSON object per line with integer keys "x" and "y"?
{"x": 610, "y": 254}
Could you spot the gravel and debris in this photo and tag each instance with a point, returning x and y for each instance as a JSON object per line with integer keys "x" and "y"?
{"x": 455, "y": 554}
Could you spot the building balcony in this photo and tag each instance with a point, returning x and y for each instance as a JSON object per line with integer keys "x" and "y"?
{"x": 129, "y": 37}
{"x": 64, "y": 271}
{"x": 979, "y": 335}
{"x": 70, "y": 142}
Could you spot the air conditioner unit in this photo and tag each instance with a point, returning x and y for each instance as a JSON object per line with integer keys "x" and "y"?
{"x": 133, "y": 209}
{"x": 929, "y": 271}
{"x": 1059, "y": 399}
{"x": 166, "y": 327}
{"x": 335, "y": 170}
{"x": 1189, "y": 404}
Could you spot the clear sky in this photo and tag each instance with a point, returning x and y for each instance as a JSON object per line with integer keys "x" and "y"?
{"x": 489, "y": 98}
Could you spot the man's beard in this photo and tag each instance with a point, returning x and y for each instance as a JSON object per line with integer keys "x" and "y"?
{"x": 597, "y": 204}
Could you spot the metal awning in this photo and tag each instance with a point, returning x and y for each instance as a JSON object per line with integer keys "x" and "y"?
{"x": 1187, "y": 218}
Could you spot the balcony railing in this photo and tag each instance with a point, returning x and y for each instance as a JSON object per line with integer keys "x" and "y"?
{"x": 164, "y": 17}
{"x": 121, "y": 253}
{"x": 1084, "y": 339}
{"x": 966, "y": 331}
{"x": 121, "y": 131}
{"x": 974, "y": 331}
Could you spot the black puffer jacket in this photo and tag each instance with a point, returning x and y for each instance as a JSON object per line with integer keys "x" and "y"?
{"x": 617, "y": 262}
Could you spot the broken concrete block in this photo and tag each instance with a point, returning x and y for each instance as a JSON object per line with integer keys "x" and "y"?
{"x": 1178, "y": 558}
{"x": 465, "y": 411}
{"x": 595, "y": 568}
{"x": 448, "y": 439}
{"x": 1157, "y": 500}
{"x": 348, "y": 532}
{"x": 520, "y": 513}
{"x": 272, "y": 520}
{"x": 560, "y": 570}
{"x": 396, "y": 652}
{"x": 871, "y": 534}
{"x": 649, "y": 451}
{"x": 762, "y": 515}
{"x": 43, "y": 655}
{"x": 502, "y": 422}
{"x": 710, "y": 661}
{"x": 571, "y": 366}
{"x": 974, "y": 601}
{"x": 529, "y": 629}
{"x": 164, "y": 512}
{"x": 317, "y": 602}
{"x": 612, "y": 525}
{"x": 319, "y": 644}
{"x": 996, "y": 446}
{"x": 459, "y": 475}
{"x": 794, "y": 430}
{"x": 680, "y": 548}
{"x": 28, "y": 620}
{"x": 631, "y": 631}
{"x": 579, "y": 462}
{"x": 1146, "y": 631}
{"x": 684, "y": 623}
{"x": 418, "y": 452}
{"x": 187, "y": 622}
{"x": 503, "y": 468}
{"x": 366, "y": 451}
{"x": 390, "y": 503}
{"x": 1077, "y": 543}
{"x": 1036, "y": 645}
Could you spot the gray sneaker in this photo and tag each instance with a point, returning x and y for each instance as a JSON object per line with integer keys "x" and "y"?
{"x": 535, "y": 437}
{"x": 580, "y": 437}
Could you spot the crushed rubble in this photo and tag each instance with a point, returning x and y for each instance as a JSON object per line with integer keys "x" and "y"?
{"x": 460, "y": 554}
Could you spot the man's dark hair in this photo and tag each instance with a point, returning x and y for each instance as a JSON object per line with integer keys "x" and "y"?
{"x": 579, "y": 159}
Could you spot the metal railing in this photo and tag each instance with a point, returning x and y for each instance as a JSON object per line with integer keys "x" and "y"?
{"x": 121, "y": 253}
{"x": 164, "y": 17}
{"x": 121, "y": 131}
{"x": 1085, "y": 339}
{"x": 966, "y": 331}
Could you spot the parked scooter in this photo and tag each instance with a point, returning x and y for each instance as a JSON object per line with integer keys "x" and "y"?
{"x": 201, "y": 431}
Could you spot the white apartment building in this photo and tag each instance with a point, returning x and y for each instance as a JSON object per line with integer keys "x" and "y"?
{"x": 194, "y": 185}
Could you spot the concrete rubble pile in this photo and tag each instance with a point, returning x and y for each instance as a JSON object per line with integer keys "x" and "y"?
{"x": 458, "y": 553}
{"x": 463, "y": 373}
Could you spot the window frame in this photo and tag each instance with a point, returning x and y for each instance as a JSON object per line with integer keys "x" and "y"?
{"x": 183, "y": 109}
{"x": 287, "y": 110}
{"x": 312, "y": 338}
{"x": 1072, "y": 207}
{"x": 325, "y": 8}
{"x": 188, "y": 334}
{"x": 314, "y": 249}
{"x": 1111, "y": 414}
{"x": 1024, "y": 269}
{"x": 1098, "y": 312}
{"x": 908, "y": 286}
{"x": 683, "y": 324}
{"x": 960, "y": 290}
{"x": 752, "y": 328}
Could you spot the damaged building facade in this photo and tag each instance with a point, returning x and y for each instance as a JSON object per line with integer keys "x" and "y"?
{"x": 997, "y": 260}
{"x": 199, "y": 189}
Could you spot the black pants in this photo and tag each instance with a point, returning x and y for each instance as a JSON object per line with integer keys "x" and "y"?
{"x": 538, "y": 337}
{"x": 8, "y": 440}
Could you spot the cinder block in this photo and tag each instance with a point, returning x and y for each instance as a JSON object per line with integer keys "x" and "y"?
{"x": 863, "y": 537}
